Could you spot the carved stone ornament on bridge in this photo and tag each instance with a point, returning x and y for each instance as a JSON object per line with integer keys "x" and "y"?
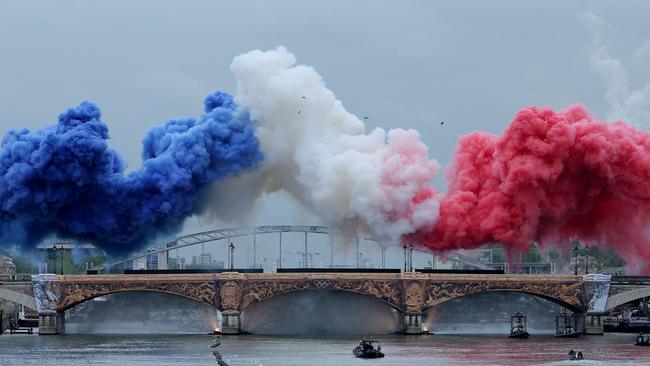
{"x": 597, "y": 292}
{"x": 413, "y": 296}
{"x": 45, "y": 293}
{"x": 229, "y": 294}
{"x": 255, "y": 291}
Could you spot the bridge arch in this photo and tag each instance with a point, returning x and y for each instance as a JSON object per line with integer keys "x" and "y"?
{"x": 250, "y": 300}
{"x": 18, "y": 298}
{"x": 568, "y": 292}
{"x": 627, "y": 296}
{"x": 570, "y": 306}
{"x": 321, "y": 311}
{"x": 235, "y": 294}
{"x": 74, "y": 293}
{"x": 70, "y": 305}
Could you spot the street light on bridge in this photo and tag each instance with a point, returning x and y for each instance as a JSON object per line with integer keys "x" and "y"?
{"x": 51, "y": 255}
{"x": 575, "y": 250}
{"x": 232, "y": 256}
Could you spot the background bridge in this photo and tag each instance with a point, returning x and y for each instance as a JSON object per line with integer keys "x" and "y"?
{"x": 231, "y": 233}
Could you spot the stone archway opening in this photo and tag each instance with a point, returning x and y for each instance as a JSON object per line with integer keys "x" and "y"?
{"x": 320, "y": 312}
{"x": 490, "y": 312}
{"x": 141, "y": 312}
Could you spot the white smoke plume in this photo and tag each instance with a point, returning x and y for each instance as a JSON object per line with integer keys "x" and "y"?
{"x": 624, "y": 104}
{"x": 376, "y": 183}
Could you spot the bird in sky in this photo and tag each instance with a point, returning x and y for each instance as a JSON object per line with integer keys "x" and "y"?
{"x": 304, "y": 97}
{"x": 299, "y": 111}
{"x": 365, "y": 117}
{"x": 442, "y": 123}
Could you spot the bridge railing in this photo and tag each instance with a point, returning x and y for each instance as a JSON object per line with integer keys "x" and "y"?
{"x": 15, "y": 277}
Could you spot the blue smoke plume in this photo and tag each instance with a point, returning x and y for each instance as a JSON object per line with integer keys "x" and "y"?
{"x": 65, "y": 180}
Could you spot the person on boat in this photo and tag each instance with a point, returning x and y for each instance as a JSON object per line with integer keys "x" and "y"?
{"x": 572, "y": 353}
{"x": 579, "y": 355}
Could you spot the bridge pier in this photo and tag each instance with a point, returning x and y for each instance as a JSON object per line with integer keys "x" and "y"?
{"x": 593, "y": 324}
{"x": 51, "y": 323}
{"x": 230, "y": 322}
{"x": 412, "y": 323}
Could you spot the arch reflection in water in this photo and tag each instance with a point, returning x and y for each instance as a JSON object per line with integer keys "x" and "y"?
{"x": 321, "y": 312}
{"x": 140, "y": 312}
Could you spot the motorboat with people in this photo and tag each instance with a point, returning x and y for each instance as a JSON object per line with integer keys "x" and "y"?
{"x": 368, "y": 349}
{"x": 642, "y": 340}
{"x": 564, "y": 326}
{"x": 518, "y": 326}
{"x": 575, "y": 356}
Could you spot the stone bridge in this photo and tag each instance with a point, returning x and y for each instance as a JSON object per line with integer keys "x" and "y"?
{"x": 410, "y": 293}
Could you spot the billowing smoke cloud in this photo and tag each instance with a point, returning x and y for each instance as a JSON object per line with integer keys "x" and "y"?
{"x": 624, "y": 104}
{"x": 551, "y": 176}
{"x": 65, "y": 180}
{"x": 376, "y": 183}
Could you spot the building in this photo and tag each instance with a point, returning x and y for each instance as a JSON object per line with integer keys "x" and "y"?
{"x": 532, "y": 262}
{"x": 151, "y": 260}
{"x": 7, "y": 265}
{"x": 202, "y": 260}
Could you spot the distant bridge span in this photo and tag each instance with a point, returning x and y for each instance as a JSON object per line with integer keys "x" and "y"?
{"x": 229, "y": 233}
{"x": 18, "y": 298}
{"x": 627, "y": 289}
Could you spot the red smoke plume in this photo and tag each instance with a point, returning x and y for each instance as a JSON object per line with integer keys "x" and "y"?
{"x": 551, "y": 177}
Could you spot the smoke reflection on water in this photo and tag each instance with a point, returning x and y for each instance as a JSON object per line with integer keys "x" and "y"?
{"x": 489, "y": 313}
{"x": 141, "y": 313}
{"x": 321, "y": 312}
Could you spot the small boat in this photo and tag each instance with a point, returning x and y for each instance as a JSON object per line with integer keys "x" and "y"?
{"x": 575, "y": 356}
{"x": 564, "y": 326}
{"x": 518, "y": 326}
{"x": 642, "y": 340}
{"x": 639, "y": 322}
{"x": 367, "y": 349}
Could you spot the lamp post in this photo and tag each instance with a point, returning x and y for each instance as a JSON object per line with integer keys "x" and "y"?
{"x": 232, "y": 255}
{"x": 405, "y": 258}
{"x": 51, "y": 254}
{"x": 575, "y": 250}
{"x": 586, "y": 259}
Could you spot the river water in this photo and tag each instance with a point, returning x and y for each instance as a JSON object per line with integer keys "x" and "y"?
{"x": 251, "y": 350}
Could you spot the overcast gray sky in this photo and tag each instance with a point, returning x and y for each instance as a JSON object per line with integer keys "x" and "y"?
{"x": 408, "y": 64}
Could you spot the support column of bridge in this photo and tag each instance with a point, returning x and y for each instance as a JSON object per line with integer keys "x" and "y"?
{"x": 412, "y": 323}
{"x": 230, "y": 322}
{"x": 51, "y": 323}
{"x": 593, "y": 324}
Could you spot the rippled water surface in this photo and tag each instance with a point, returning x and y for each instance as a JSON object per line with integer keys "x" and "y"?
{"x": 194, "y": 350}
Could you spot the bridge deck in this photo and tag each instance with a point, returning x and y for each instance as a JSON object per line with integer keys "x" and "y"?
{"x": 290, "y": 276}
